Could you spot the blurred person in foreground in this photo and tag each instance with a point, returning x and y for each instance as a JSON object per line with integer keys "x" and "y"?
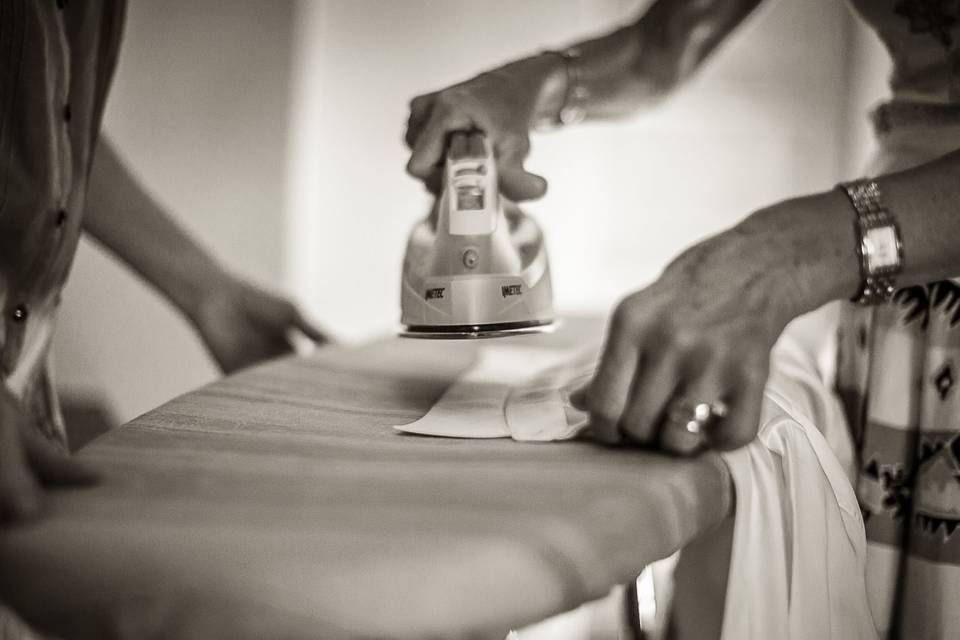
{"x": 58, "y": 178}
{"x": 700, "y": 336}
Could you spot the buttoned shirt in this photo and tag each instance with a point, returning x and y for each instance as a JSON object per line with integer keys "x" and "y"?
{"x": 57, "y": 59}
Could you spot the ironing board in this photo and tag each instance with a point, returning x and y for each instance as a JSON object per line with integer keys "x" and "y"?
{"x": 279, "y": 502}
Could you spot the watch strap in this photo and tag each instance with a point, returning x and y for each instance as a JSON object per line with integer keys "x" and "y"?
{"x": 879, "y": 245}
{"x": 573, "y": 109}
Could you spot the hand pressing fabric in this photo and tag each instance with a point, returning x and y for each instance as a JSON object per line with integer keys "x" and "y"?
{"x": 686, "y": 359}
{"x": 241, "y": 325}
{"x": 29, "y": 462}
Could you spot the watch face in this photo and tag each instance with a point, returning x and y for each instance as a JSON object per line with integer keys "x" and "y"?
{"x": 880, "y": 248}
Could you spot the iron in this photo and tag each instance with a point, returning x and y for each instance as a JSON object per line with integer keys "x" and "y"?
{"x": 476, "y": 267}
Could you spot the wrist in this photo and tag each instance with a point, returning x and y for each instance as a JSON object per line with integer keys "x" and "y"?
{"x": 201, "y": 286}
{"x": 813, "y": 244}
{"x": 546, "y": 75}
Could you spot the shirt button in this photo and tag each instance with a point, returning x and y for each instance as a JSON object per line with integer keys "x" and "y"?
{"x": 67, "y": 113}
{"x": 61, "y": 217}
{"x": 20, "y": 313}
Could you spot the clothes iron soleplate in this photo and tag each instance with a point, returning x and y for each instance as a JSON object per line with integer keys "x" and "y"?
{"x": 466, "y": 332}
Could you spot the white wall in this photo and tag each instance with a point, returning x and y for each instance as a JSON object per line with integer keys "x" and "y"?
{"x": 199, "y": 108}
{"x": 867, "y": 68}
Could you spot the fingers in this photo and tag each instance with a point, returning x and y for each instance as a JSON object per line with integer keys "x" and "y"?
{"x": 428, "y": 151}
{"x": 678, "y": 386}
{"x": 435, "y": 116}
{"x": 246, "y": 325}
{"x": 653, "y": 387}
{"x": 308, "y": 329}
{"x": 476, "y": 146}
{"x": 19, "y": 493}
{"x": 680, "y": 430}
{"x": 740, "y": 426}
{"x": 275, "y": 315}
{"x": 55, "y": 467}
{"x": 420, "y": 109}
{"x": 609, "y": 390}
{"x": 434, "y": 182}
{"x": 517, "y": 183}
{"x": 261, "y": 344}
{"x": 28, "y": 459}
{"x": 294, "y": 320}
{"x": 459, "y": 146}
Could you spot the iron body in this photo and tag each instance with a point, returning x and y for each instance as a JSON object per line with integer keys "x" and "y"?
{"x": 477, "y": 266}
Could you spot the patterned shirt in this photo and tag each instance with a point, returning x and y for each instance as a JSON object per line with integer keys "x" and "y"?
{"x": 899, "y": 364}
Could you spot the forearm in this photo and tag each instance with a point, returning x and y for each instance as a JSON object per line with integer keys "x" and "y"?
{"x": 639, "y": 64}
{"x": 812, "y": 240}
{"x": 926, "y": 202}
{"x": 131, "y": 224}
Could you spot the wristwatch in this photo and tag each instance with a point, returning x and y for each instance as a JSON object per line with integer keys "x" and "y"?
{"x": 879, "y": 246}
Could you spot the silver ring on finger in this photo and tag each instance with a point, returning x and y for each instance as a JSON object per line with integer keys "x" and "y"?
{"x": 696, "y": 417}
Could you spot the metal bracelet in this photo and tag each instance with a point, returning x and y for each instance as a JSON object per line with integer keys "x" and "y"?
{"x": 573, "y": 109}
{"x": 879, "y": 245}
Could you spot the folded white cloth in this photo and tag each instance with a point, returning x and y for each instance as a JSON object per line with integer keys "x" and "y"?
{"x": 512, "y": 391}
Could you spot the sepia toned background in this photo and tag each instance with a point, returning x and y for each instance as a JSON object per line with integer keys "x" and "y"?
{"x": 272, "y": 130}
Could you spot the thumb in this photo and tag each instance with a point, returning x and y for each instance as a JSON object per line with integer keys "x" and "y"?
{"x": 308, "y": 328}
{"x": 518, "y": 184}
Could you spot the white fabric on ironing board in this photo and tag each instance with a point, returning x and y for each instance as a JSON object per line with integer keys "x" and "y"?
{"x": 797, "y": 566}
{"x": 512, "y": 391}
